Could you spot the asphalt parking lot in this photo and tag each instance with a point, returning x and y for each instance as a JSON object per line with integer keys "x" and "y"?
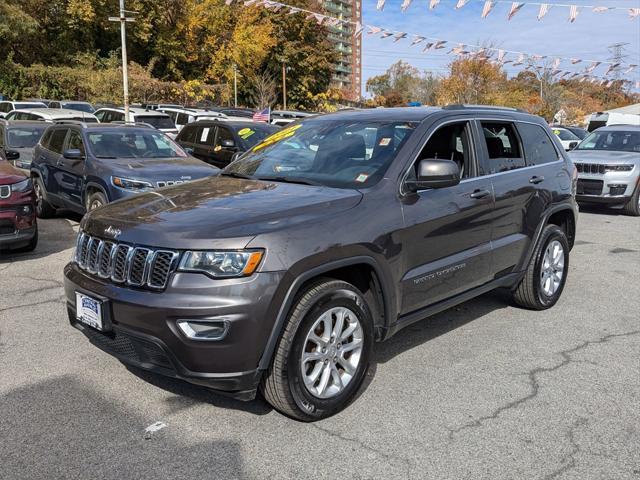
{"x": 485, "y": 390}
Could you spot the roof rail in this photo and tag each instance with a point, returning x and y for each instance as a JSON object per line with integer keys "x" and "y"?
{"x": 133, "y": 124}
{"x": 70, "y": 122}
{"x": 462, "y": 106}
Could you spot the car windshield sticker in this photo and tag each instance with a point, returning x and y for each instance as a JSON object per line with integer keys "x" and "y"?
{"x": 556, "y": 131}
{"x": 246, "y": 133}
{"x": 362, "y": 178}
{"x": 276, "y": 137}
{"x": 384, "y": 141}
{"x": 205, "y": 134}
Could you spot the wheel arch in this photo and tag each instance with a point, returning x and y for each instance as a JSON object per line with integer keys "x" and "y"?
{"x": 360, "y": 271}
{"x": 90, "y": 187}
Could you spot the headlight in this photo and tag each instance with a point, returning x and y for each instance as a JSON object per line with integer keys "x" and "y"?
{"x": 23, "y": 186}
{"x": 222, "y": 264}
{"x": 618, "y": 168}
{"x": 130, "y": 184}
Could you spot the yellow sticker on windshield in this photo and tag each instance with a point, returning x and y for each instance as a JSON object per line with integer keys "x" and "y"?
{"x": 556, "y": 131}
{"x": 276, "y": 137}
{"x": 246, "y": 133}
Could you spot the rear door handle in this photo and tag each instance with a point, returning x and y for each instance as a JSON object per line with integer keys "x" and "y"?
{"x": 535, "y": 180}
{"x": 480, "y": 193}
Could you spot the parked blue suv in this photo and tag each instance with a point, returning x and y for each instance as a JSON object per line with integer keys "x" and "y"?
{"x": 80, "y": 167}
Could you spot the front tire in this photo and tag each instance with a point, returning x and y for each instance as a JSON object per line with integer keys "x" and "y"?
{"x": 323, "y": 354}
{"x": 43, "y": 208}
{"x": 632, "y": 207}
{"x": 95, "y": 200}
{"x": 546, "y": 275}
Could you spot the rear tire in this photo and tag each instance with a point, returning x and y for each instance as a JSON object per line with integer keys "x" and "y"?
{"x": 43, "y": 208}
{"x": 317, "y": 370}
{"x": 632, "y": 207}
{"x": 546, "y": 275}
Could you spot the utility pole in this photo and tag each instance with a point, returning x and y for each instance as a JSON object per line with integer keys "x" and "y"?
{"x": 284, "y": 86}
{"x": 123, "y": 19}
{"x": 235, "y": 86}
{"x": 617, "y": 56}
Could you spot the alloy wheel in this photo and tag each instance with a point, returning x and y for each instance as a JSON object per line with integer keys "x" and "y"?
{"x": 331, "y": 352}
{"x": 552, "y": 269}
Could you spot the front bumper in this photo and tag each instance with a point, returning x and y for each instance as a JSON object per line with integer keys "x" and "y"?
{"x": 612, "y": 188}
{"x": 17, "y": 228}
{"x": 144, "y": 332}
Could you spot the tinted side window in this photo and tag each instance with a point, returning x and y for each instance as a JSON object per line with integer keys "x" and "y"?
{"x": 188, "y": 134}
{"x": 503, "y": 148}
{"x": 538, "y": 147}
{"x": 182, "y": 119}
{"x": 75, "y": 141}
{"x": 1, "y": 136}
{"x": 45, "y": 138}
{"x": 5, "y": 107}
{"x": 101, "y": 115}
{"x": 223, "y": 134}
{"x": 56, "y": 141}
{"x": 450, "y": 142}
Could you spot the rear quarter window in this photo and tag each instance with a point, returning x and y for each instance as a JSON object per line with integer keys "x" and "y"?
{"x": 188, "y": 134}
{"x": 538, "y": 146}
{"x": 56, "y": 141}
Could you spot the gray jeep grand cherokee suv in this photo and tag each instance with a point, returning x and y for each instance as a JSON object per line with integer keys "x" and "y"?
{"x": 335, "y": 233}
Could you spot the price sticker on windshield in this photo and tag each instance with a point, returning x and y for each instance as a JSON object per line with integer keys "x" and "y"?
{"x": 276, "y": 137}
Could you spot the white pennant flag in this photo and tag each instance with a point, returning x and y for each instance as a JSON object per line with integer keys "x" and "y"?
{"x": 501, "y": 54}
{"x": 573, "y": 13}
{"x": 427, "y": 47}
{"x": 248, "y": 3}
{"x": 556, "y": 62}
{"x": 631, "y": 67}
{"x": 515, "y": 8}
{"x": 399, "y": 36}
{"x": 544, "y": 9}
{"x": 611, "y": 68}
{"x": 575, "y": 60}
{"x": 358, "y": 30}
{"x": 293, "y": 10}
{"x": 374, "y": 30}
{"x": 460, "y": 4}
{"x": 609, "y": 83}
{"x": 601, "y": 9}
{"x": 228, "y": 2}
{"x": 433, "y": 4}
{"x": 634, "y": 12}
{"x": 380, "y": 5}
{"x": 386, "y": 34}
{"x": 637, "y": 83}
{"x": 405, "y": 5}
{"x": 488, "y": 6}
{"x": 439, "y": 44}
{"x": 417, "y": 39}
{"x": 519, "y": 61}
{"x": 592, "y": 67}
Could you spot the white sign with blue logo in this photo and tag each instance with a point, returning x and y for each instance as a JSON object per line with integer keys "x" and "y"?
{"x": 89, "y": 311}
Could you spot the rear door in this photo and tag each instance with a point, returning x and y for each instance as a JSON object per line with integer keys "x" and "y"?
{"x": 447, "y": 236}
{"x": 187, "y": 137}
{"x": 71, "y": 172}
{"x": 203, "y": 146}
{"x": 517, "y": 203}
{"x": 53, "y": 161}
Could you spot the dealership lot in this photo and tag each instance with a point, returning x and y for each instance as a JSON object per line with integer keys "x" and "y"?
{"x": 485, "y": 390}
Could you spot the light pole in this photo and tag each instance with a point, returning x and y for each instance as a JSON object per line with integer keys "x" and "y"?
{"x": 284, "y": 86}
{"x": 125, "y": 70}
{"x": 235, "y": 86}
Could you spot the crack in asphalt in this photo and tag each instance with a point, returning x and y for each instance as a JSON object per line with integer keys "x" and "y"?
{"x": 534, "y": 384}
{"x": 569, "y": 462}
{"x": 408, "y": 462}
{"x": 56, "y": 284}
{"x": 33, "y": 304}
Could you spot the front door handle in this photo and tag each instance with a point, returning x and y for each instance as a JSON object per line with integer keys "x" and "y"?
{"x": 535, "y": 179}
{"x": 480, "y": 193}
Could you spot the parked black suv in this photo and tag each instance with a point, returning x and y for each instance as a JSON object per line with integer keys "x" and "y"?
{"x": 217, "y": 142}
{"x": 333, "y": 234}
{"x": 83, "y": 166}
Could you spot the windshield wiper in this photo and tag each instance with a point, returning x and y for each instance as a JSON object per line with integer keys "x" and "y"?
{"x": 301, "y": 181}
{"x": 236, "y": 175}
{"x": 104, "y": 156}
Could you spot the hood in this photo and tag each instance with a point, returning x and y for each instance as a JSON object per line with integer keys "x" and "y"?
{"x": 10, "y": 174}
{"x": 181, "y": 168}
{"x": 603, "y": 156}
{"x": 217, "y": 212}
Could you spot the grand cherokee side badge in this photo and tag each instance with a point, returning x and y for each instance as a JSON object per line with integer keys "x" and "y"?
{"x": 113, "y": 232}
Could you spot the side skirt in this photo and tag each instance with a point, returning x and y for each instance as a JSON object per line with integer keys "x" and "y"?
{"x": 404, "y": 321}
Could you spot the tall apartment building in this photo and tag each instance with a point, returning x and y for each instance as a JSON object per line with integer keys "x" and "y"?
{"x": 347, "y": 72}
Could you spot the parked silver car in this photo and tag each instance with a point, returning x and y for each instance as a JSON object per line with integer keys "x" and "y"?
{"x": 608, "y": 164}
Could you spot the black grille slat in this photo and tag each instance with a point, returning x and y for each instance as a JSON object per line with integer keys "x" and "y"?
{"x": 121, "y": 263}
{"x": 589, "y": 187}
{"x": 592, "y": 168}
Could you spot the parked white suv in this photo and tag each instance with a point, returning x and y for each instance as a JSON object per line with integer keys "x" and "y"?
{"x": 51, "y": 115}
{"x": 608, "y": 164}
{"x": 183, "y": 116}
{"x": 6, "y": 107}
{"x": 158, "y": 120}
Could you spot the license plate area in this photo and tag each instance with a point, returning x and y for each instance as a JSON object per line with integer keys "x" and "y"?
{"x": 91, "y": 311}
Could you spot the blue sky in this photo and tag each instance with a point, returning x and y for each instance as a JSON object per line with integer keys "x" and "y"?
{"x": 587, "y": 38}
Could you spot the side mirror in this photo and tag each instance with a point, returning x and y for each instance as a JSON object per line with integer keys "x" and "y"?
{"x": 434, "y": 173}
{"x": 12, "y": 155}
{"x": 572, "y": 145}
{"x": 189, "y": 150}
{"x": 235, "y": 156}
{"x": 227, "y": 144}
{"x": 72, "y": 154}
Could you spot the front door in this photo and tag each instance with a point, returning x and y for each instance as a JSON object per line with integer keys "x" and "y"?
{"x": 447, "y": 236}
{"x": 223, "y": 150}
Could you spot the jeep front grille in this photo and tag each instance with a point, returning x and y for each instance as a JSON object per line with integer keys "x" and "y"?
{"x": 122, "y": 263}
{"x": 590, "y": 168}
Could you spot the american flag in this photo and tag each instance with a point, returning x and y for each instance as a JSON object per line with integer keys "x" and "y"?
{"x": 262, "y": 116}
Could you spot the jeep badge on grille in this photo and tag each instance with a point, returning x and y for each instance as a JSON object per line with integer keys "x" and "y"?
{"x": 112, "y": 231}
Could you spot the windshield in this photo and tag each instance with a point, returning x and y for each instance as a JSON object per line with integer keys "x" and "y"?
{"x": 30, "y": 105}
{"x": 24, "y": 137}
{"x": 81, "y": 107}
{"x": 159, "y": 121}
{"x": 335, "y": 153}
{"x": 253, "y": 135}
{"x": 133, "y": 144}
{"x": 565, "y": 134}
{"x": 616, "y": 141}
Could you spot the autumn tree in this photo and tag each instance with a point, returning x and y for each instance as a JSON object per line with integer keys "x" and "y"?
{"x": 403, "y": 83}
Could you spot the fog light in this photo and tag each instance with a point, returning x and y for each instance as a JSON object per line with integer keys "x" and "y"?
{"x": 616, "y": 189}
{"x": 203, "y": 329}
{"x": 25, "y": 210}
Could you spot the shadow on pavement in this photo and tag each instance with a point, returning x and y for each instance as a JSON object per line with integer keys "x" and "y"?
{"x": 600, "y": 210}
{"x": 62, "y": 428}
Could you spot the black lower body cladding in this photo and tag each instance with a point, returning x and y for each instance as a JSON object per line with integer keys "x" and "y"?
{"x": 142, "y": 326}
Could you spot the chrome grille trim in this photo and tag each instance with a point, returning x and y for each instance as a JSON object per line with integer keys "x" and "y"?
{"x": 5, "y": 191}
{"x": 125, "y": 264}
